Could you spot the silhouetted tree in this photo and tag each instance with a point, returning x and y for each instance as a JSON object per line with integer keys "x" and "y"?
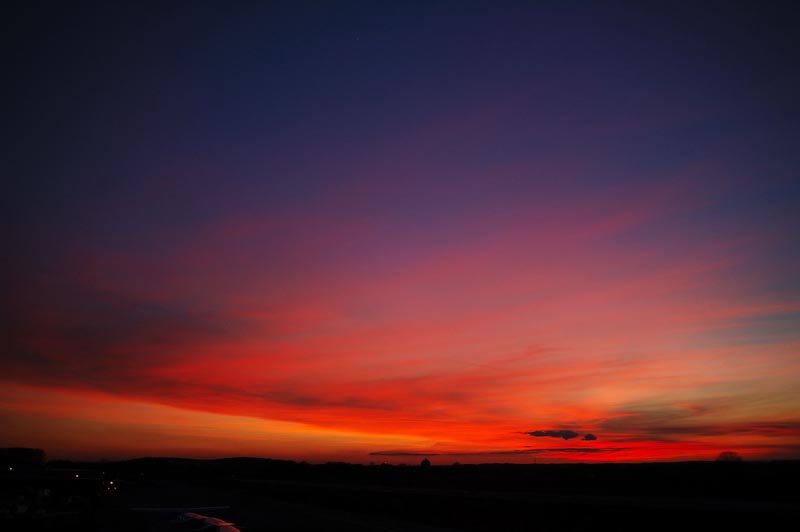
{"x": 425, "y": 463}
{"x": 729, "y": 456}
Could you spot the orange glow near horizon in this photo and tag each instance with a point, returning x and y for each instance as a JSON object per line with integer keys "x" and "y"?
{"x": 72, "y": 423}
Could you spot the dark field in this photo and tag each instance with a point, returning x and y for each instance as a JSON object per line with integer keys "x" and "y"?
{"x": 267, "y": 495}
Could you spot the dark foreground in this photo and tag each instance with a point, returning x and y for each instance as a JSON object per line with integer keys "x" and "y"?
{"x": 266, "y": 495}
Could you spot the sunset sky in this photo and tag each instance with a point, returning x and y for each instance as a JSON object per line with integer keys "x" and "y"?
{"x": 479, "y": 232}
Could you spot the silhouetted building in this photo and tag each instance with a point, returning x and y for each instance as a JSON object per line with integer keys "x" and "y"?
{"x": 21, "y": 457}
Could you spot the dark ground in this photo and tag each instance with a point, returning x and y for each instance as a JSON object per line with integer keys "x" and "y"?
{"x": 272, "y": 495}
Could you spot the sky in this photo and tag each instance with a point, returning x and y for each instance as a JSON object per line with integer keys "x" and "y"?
{"x": 374, "y": 231}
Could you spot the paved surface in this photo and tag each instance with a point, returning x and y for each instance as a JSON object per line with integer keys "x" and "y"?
{"x": 254, "y": 512}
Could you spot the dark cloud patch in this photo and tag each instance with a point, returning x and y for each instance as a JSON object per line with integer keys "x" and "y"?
{"x": 668, "y": 423}
{"x": 501, "y": 452}
{"x": 309, "y": 400}
{"x": 565, "y": 434}
{"x": 671, "y": 433}
{"x": 76, "y": 336}
{"x": 551, "y": 450}
{"x": 589, "y": 437}
{"x": 402, "y": 453}
{"x": 70, "y": 335}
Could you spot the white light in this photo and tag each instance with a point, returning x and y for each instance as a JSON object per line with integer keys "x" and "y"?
{"x": 76, "y": 476}
{"x": 11, "y": 469}
{"x": 111, "y": 482}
